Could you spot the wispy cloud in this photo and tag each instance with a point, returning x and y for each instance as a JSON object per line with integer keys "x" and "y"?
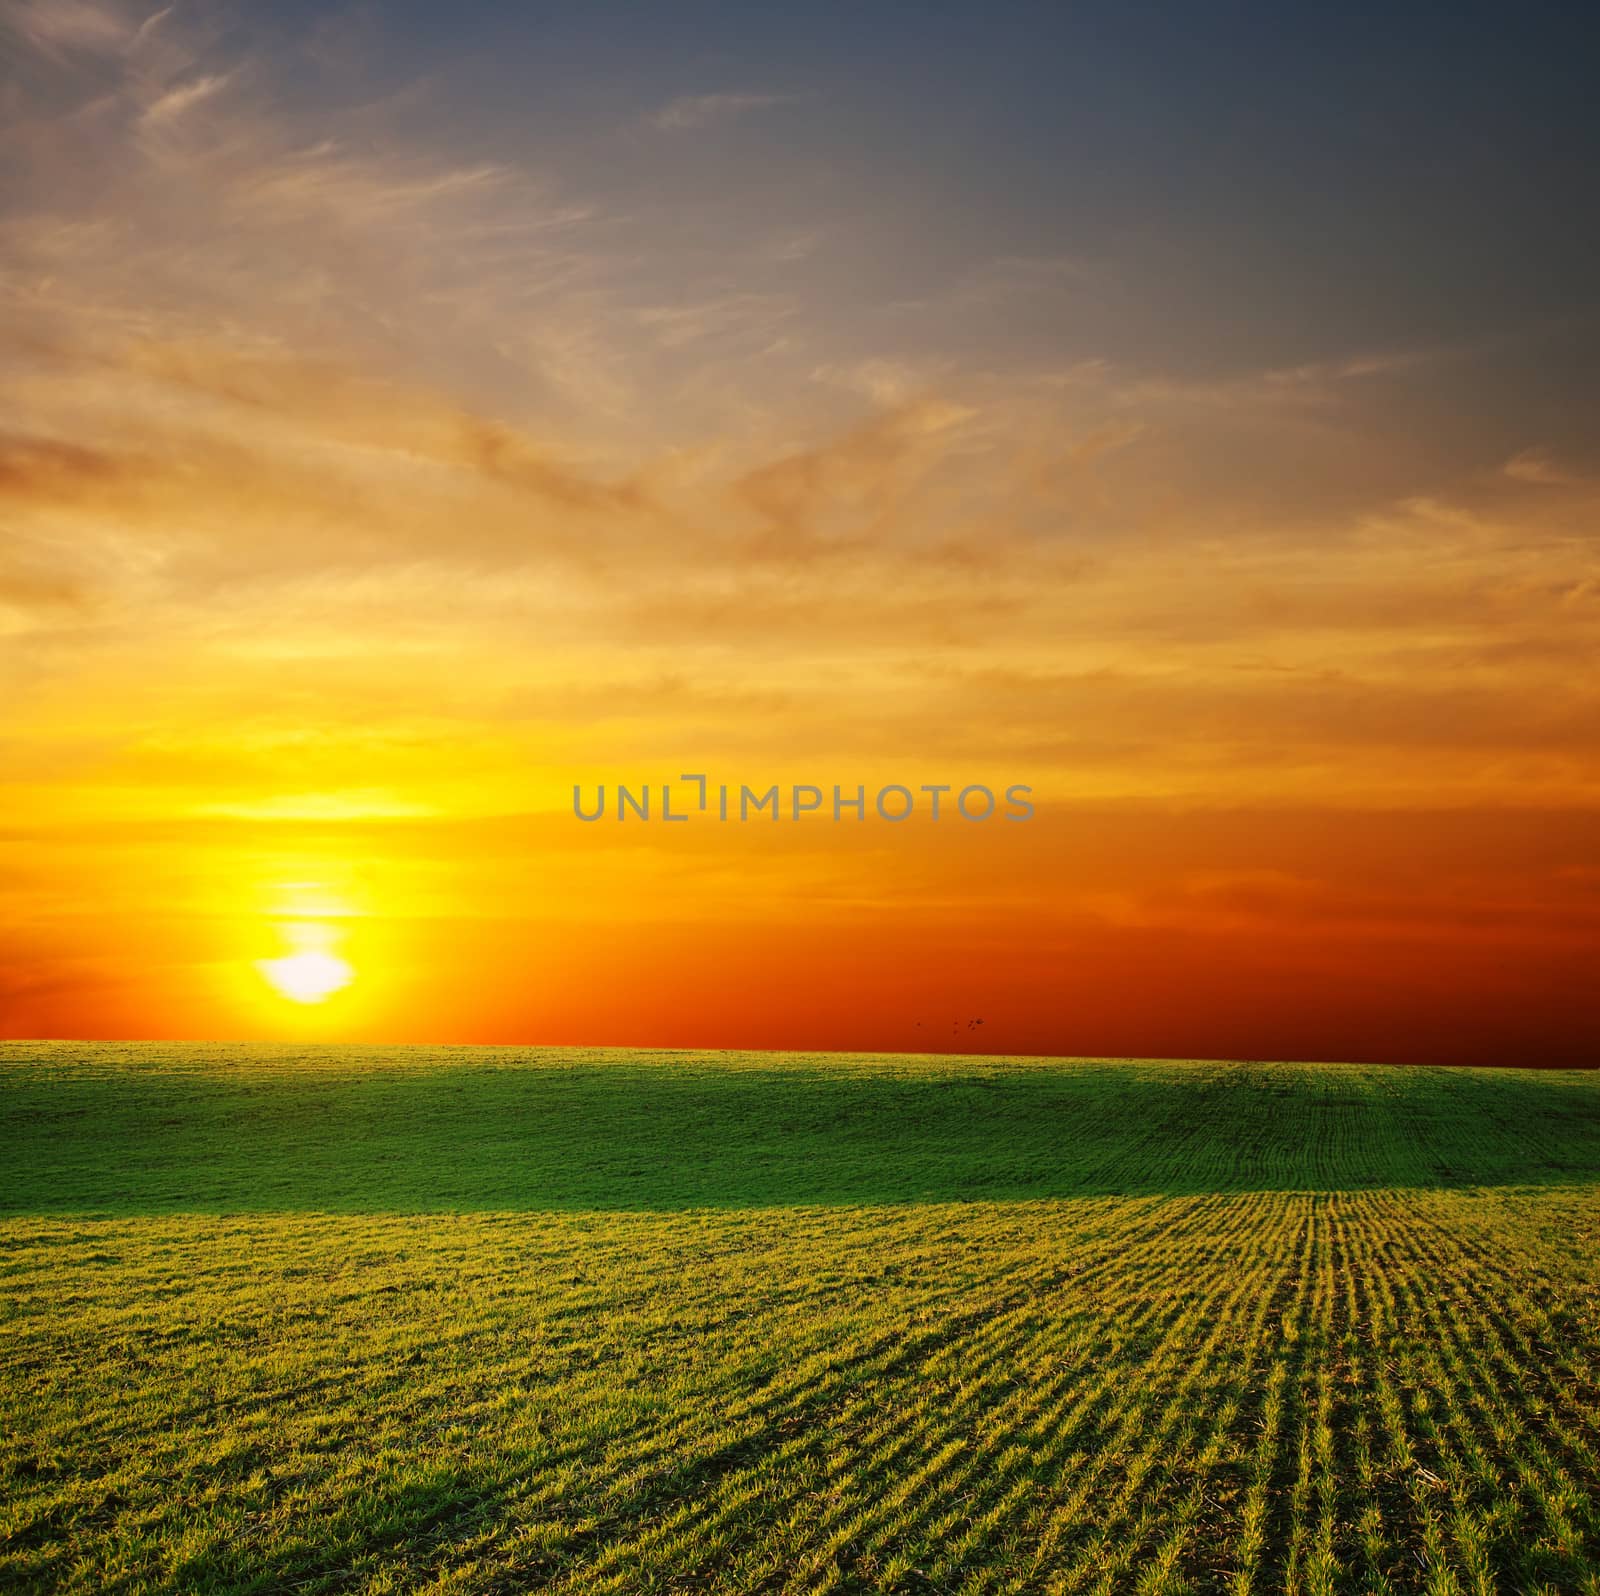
{"x": 1540, "y": 467}
{"x": 184, "y": 97}
{"x": 692, "y": 111}
{"x": 54, "y": 27}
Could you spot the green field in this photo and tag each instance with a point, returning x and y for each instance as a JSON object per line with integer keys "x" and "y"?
{"x": 495, "y": 1321}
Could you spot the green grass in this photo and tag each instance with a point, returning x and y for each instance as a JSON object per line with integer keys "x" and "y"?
{"x": 468, "y": 1321}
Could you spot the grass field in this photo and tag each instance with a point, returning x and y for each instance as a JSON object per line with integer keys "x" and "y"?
{"x": 480, "y": 1321}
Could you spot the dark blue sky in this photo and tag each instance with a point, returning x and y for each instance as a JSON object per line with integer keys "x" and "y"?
{"x": 1273, "y": 184}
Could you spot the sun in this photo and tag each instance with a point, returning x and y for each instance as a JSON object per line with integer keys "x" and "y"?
{"x": 307, "y": 977}
{"x": 308, "y": 966}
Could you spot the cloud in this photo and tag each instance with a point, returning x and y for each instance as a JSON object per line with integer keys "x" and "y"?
{"x": 692, "y": 111}
{"x": 170, "y": 192}
{"x": 851, "y": 481}
{"x": 1538, "y": 467}
{"x": 55, "y": 26}
{"x": 39, "y": 468}
{"x": 214, "y": 463}
{"x": 747, "y": 318}
{"x": 175, "y": 102}
{"x": 26, "y": 591}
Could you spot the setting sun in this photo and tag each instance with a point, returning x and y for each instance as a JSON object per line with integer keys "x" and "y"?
{"x": 307, "y": 977}
{"x": 311, "y": 972}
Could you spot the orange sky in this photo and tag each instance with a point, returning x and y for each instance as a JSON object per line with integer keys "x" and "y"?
{"x": 361, "y": 493}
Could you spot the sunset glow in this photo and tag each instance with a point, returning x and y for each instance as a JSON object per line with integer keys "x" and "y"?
{"x": 409, "y": 422}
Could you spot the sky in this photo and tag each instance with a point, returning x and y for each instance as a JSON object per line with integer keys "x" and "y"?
{"x": 409, "y": 413}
